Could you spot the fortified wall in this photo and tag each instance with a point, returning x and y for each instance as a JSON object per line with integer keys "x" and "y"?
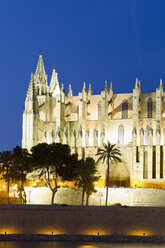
{"x": 82, "y": 220}
{"x": 124, "y": 196}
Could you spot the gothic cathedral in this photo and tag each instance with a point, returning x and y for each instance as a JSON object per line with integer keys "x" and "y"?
{"x": 134, "y": 121}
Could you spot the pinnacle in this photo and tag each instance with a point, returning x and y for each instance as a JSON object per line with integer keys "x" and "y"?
{"x": 90, "y": 90}
{"x": 136, "y": 83}
{"x": 106, "y": 88}
{"x": 84, "y": 87}
{"x": 62, "y": 88}
{"x": 54, "y": 84}
{"x": 111, "y": 89}
{"x": 161, "y": 85}
{"x": 111, "y": 86}
{"x": 31, "y": 89}
{"x": 70, "y": 90}
{"x": 40, "y": 66}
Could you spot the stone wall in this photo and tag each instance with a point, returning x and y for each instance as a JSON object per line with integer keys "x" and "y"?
{"x": 82, "y": 220}
{"x": 124, "y": 196}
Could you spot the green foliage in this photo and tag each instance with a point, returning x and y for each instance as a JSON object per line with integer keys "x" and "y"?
{"x": 5, "y": 163}
{"x": 53, "y": 162}
{"x": 116, "y": 204}
{"x": 14, "y": 167}
{"x": 20, "y": 166}
{"x": 108, "y": 153}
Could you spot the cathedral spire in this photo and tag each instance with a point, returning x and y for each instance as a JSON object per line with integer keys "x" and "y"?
{"x": 40, "y": 78}
{"x": 40, "y": 70}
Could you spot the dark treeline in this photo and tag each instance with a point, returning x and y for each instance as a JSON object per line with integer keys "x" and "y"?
{"x": 52, "y": 163}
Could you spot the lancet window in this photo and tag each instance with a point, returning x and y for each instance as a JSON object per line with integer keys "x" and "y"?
{"x": 99, "y": 110}
{"x": 125, "y": 109}
{"x": 149, "y": 108}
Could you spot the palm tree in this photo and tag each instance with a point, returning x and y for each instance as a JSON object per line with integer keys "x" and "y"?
{"x": 110, "y": 153}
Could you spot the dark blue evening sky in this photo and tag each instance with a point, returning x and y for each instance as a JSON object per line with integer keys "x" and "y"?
{"x": 91, "y": 41}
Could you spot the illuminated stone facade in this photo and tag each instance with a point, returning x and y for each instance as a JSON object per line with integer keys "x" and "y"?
{"x": 134, "y": 121}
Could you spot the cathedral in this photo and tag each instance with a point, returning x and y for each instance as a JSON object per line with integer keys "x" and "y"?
{"x": 135, "y": 122}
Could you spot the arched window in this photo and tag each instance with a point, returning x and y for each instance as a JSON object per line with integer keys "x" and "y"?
{"x": 99, "y": 110}
{"x": 125, "y": 109}
{"x": 147, "y": 135}
{"x": 121, "y": 134}
{"x": 149, "y": 108}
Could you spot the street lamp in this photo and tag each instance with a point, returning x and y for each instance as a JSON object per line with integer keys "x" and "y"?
{"x": 29, "y": 195}
{"x": 100, "y": 195}
{"x": 93, "y": 199}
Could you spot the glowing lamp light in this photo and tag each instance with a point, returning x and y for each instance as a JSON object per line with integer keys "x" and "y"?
{"x": 15, "y": 186}
{"x": 135, "y": 183}
{"x": 97, "y": 231}
{"x": 3, "y": 186}
{"x": 141, "y": 232}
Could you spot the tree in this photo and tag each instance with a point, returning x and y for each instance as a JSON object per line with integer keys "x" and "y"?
{"x": 110, "y": 153}
{"x": 52, "y": 162}
{"x": 85, "y": 176}
{"x": 19, "y": 169}
{"x": 5, "y": 163}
